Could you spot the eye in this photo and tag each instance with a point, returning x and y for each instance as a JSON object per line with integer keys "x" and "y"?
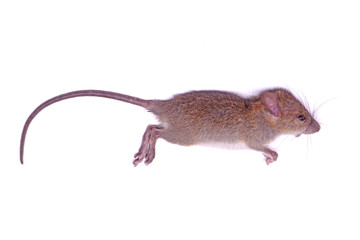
{"x": 301, "y": 117}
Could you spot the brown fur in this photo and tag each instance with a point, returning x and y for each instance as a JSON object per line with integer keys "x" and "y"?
{"x": 215, "y": 116}
{"x": 201, "y": 117}
{"x": 205, "y": 117}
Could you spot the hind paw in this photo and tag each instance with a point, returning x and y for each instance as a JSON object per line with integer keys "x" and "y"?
{"x": 147, "y": 148}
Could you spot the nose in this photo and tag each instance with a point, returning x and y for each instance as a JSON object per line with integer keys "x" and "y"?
{"x": 314, "y": 127}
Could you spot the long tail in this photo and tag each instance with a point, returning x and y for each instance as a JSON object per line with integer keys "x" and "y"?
{"x": 81, "y": 93}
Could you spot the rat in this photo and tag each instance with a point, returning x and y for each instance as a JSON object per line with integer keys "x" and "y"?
{"x": 211, "y": 117}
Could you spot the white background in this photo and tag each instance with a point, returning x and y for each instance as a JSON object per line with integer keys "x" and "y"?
{"x": 78, "y": 181}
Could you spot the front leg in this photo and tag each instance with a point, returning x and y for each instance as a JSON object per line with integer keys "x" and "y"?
{"x": 270, "y": 156}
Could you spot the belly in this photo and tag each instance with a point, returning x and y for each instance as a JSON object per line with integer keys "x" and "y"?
{"x": 226, "y": 145}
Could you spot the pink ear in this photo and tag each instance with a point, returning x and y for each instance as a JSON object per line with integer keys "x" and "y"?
{"x": 271, "y": 103}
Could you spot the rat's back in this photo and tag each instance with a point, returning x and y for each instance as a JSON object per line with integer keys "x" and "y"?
{"x": 201, "y": 116}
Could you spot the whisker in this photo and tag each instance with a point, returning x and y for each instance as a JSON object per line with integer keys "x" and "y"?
{"x": 310, "y": 143}
{"x": 302, "y": 98}
{"x": 322, "y": 104}
{"x": 306, "y": 102}
{"x": 298, "y": 95}
{"x": 307, "y": 147}
{"x": 285, "y": 138}
{"x": 282, "y": 141}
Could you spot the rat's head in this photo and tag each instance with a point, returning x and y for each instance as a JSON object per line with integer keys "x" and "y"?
{"x": 287, "y": 114}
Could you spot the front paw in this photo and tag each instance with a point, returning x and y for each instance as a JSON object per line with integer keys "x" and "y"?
{"x": 270, "y": 156}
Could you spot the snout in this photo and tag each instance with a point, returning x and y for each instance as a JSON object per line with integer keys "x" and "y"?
{"x": 313, "y": 127}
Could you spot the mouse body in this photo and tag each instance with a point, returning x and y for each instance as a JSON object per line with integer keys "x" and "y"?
{"x": 211, "y": 118}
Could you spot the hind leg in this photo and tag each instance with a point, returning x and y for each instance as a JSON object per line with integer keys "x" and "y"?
{"x": 147, "y": 148}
